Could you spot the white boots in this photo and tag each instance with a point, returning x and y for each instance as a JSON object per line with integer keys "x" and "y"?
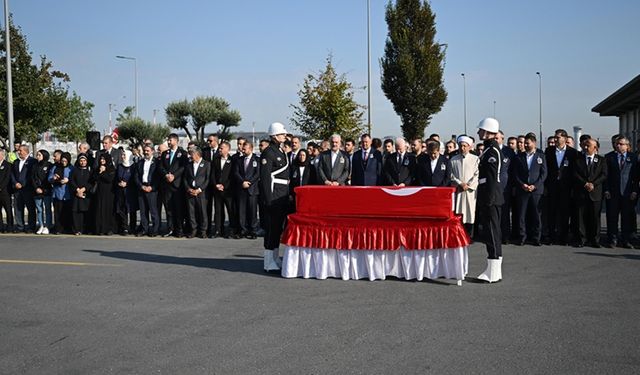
{"x": 270, "y": 262}
{"x": 493, "y": 273}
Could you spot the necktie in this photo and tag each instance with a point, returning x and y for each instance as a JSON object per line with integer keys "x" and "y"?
{"x": 366, "y": 155}
{"x": 246, "y": 164}
{"x": 621, "y": 161}
{"x": 588, "y": 161}
{"x": 171, "y": 157}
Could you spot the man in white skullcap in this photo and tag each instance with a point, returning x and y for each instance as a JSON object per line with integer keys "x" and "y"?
{"x": 464, "y": 177}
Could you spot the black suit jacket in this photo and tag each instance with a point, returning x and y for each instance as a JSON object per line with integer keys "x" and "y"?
{"x": 613, "y": 182}
{"x": 535, "y": 175}
{"x": 596, "y": 174}
{"x": 200, "y": 180}
{"x": 560, "y": 179}
{"x": 366, "y": 174}
{"x": 307, "y": 177}
{"x": 224, "y": 175}
{"x": 23, "y": 177}
{"x": 402, "y": 173}
{"x": 208, "y": 153}
{"x": 441, "y": 176}
{"x": 153, "y": 179}
{"x": 251, "y": 174}
{"x": 5, "y": 177}
{"x": 115, "y": 154}
{"x": 175, "y": 167}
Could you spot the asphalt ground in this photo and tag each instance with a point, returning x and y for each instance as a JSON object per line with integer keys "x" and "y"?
{"x": 115, "y": 305}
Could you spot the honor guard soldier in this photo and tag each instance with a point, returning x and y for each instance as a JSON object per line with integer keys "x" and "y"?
{"x": 274, "y": 190}
{"x": 490, "y": 198}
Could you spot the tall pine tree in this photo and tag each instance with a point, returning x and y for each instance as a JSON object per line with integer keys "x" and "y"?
{"x": 413, "y": 65}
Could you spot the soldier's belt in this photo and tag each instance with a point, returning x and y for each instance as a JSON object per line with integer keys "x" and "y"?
{"x": 281, "y": 181}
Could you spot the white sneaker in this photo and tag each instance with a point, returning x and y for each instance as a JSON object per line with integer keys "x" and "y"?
{"x": 40, "y": 230}
{"x": 45, "y": 230}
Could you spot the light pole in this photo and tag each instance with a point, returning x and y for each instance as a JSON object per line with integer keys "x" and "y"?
{"x": 154, "y": 116}
{"x": 494, "y": 109}
{"x": 135, "y": 73}
{"x": 369, "y": 65}
{"x": 540, "y": 95}
{"x": 7, "y": 38}
{"x": 464, "y": 83}
{"x": 111, "y": 107}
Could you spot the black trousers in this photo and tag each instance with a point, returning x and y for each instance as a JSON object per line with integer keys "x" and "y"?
{"x": 247, "y": 212}
{"x": 148, "y": 203}
{"x": 223, "y": 200}
{"x": 5, "y": 203}
{"x": 126, "y": 218}
{"x": 275, "y": 216}
{"x": 210, "y": 218}
{"x": 558, "y": 207}
{"x": 197, "y": 213}
{"x": 624, "y": 209}
{"x": 588, "y": 216}
{"x": 505, "y": 215}
{"x": 23, "y": 198}
{"x": 62, "y": 215}
{"x": 173, "y": 201}
{"x": 492, "y": 235}
{"x": 529, "y": 216}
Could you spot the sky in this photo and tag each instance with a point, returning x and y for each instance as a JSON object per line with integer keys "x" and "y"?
{"x": 256, "y": 55}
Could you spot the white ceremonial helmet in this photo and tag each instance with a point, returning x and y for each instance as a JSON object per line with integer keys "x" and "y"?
{"x": 489, "y": 124}
{"x": 277, "y": 128}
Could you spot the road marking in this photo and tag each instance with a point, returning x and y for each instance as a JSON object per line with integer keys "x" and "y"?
{"x": 17, "y": 261}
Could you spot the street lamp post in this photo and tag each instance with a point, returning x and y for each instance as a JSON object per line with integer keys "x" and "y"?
{"x": 154, "y": 116}
{"x": 369, "y": 66}
{"x": 135, "y": 73}
{"x": 7, "y": 38}
{"x": 494, "y": 109}
{"x": 540, "y": 98}
{"x": 464, "y": 83}
{"x": 111, "y": 107}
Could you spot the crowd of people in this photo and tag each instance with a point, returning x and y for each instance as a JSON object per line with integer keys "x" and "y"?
{"x": 552, "y": 196}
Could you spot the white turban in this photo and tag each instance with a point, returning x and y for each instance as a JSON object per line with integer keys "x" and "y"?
{"x": 465, "y": 139}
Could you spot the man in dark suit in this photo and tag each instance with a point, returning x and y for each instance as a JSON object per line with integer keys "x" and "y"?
{"x": 334, "y": 167}
{"x": 5, "y": 192}
{"x": 147, "y": 182}
{"x": 172, "y": 164}
{"x": 590, "y": 173}
{"x": 23, "y": 189}
{"x": 366, "y": 166}
{"x": 196, "y": 180}
{"x": 399, "y": 167}
{"x": 223, "y": 190}
{"x": 621, "y": 193}
{"x": 246, "y": 175}
{"x": 530, "y": 172}
{"x": 433, "y": 169}
{"x": 558, "y": 186}
{"x": 108, "y": 147}
{"x": 207, "y": 154}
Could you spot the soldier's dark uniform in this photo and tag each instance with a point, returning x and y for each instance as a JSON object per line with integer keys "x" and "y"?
{"x": 274, "y": 192}
{"x": 490, "y": 197}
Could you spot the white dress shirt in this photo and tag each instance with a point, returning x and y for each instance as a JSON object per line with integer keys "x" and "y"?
{"x": 530, "y": 159}
{"x": 196, "y": 165}
{"x": 334, "y": 157}
{"x": 145, "y": 170}
{"x": 434, "y": 163}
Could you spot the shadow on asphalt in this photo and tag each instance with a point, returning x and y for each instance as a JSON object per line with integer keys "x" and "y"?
{"x": 253, "y": 266}
{"x": 620, "y": 256}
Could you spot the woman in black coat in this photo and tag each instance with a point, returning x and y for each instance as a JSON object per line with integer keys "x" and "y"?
{"x": 102, "y": 179}
{"x": 303, "y": 173}
{"x": 80, "y": 185}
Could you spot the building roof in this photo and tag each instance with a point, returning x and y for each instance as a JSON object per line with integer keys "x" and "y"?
{"x": 623, "y": 100}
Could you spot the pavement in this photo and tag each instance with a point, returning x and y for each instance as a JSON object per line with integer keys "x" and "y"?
{"x": 126, "y": 305}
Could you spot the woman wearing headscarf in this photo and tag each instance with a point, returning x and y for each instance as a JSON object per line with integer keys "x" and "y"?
{"x": 42, "y": 191}
{"x": 102, "y": 177}
{"x": 59, "y": 179}
{"x": 126, "y": 195}
{"x": 80, "y": 186}
{"x": 302, "y": 174}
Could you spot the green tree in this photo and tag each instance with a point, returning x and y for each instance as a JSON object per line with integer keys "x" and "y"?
{"x": 413, "y": 65}
{"x": 40, "y": 93}
{"x": 327, "y": 106}
{"x": 77, "y": 121}
{"x": 135, "y": 130}
{"x": 194, "y": 116}
{"x": 126, "y": 114}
